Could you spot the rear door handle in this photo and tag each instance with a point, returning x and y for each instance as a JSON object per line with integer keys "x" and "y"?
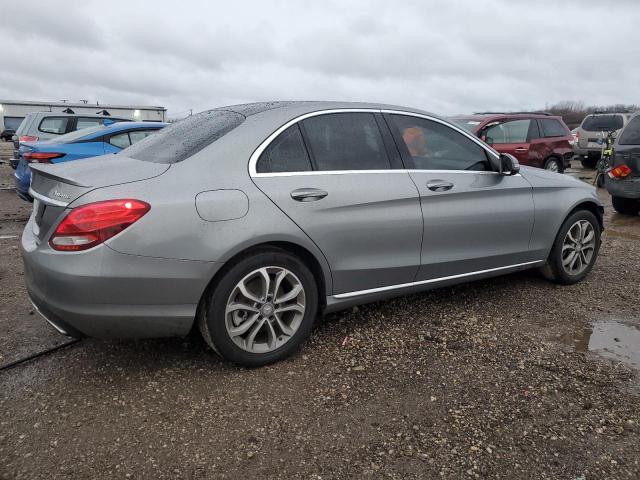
{"x": 439, "y": 185}
{"x": 521, "y": 149}
{"x": 308, "y": 194}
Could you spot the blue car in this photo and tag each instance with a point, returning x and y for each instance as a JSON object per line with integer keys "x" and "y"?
{"x": 89, "y": 142}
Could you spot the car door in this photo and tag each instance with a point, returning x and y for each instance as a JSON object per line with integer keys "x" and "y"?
{"x": 510, "y": 136}
{"x": 475, "y": 219}
{"x": 341, "y": 181}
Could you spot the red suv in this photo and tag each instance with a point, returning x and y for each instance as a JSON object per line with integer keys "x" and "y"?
{"x": 536, "y": 139}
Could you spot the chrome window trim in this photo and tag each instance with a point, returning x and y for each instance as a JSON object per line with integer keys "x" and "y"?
{"x": 47, "y": 200}
{"x": 369, "y": 291}
{"x": 253, "y": 160}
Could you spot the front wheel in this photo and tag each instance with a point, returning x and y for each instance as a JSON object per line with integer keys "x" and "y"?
{"x": 575, "y": 249}
{"x": 261, "y": 310}
{"x": 626, "y": 206}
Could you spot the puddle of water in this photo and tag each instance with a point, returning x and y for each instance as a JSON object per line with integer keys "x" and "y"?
{"x": 610, "y": 339}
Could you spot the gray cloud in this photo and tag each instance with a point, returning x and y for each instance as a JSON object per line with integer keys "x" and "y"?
{"x": 447, "y": 57}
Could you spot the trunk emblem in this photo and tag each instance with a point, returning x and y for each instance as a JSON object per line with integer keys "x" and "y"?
{"x": 58, "y": 194}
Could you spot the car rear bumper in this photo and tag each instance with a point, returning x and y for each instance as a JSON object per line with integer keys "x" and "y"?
{"x": 626, "y": 188}
{"x": 105, "y": 294}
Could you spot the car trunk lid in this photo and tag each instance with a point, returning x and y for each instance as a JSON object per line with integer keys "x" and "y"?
{"x": 628, "y": 155}
{"x": 54, "y": 187}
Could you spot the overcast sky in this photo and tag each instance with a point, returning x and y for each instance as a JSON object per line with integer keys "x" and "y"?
{"x": 446, "y": 57}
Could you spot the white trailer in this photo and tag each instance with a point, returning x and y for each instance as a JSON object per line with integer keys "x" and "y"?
{"x": 13, "y": 112}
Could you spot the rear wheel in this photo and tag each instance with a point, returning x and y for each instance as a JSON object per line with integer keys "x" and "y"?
{"x": 575, "y": 249}
{"x": 589, "y": 162}
{"x": 261, "y": 310}
{"x": 626, "y": 206}
{"x": 554, "y": 165}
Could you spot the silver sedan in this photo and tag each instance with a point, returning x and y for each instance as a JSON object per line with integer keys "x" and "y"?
{"x": 249, "y": 221}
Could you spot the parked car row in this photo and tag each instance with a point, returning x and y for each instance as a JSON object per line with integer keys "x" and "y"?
{"x": 250, "y": 220}
{"x": 536, "y": 139}
{"x": 87, "y": 142}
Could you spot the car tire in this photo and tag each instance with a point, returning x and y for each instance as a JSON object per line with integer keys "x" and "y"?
{"x": 589, "y": 162}
{"x": 556, "y": 268}
{"x": 626, "y": 206}
{"x": 232, "y": 304}
{"x": 554, "y": 164}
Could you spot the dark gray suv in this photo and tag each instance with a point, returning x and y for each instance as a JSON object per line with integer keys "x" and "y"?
{"x": 623, "y": 183}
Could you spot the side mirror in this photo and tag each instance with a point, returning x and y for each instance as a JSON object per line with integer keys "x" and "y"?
{"x": 509, "y": 164}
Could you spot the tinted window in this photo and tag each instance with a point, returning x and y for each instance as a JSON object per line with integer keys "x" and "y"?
{"x": 55, "y": 125}
{"x": 631, "y": 134}
{"x": 12, "y": 123}
{"x": 186, "y": 137}
{"x": 120, "y": 140}
{"x": 552, "y": 127}
{"x": 602, "y": 123}
{"x": 434, "y": 146}
{"x": 346, "y": 141}
{"x": 286, "y": 153}
{"x": 515, "y": 131}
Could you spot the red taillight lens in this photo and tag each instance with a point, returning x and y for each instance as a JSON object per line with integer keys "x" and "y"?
{"x": 41, "y": 157}
{"x": 620, "y": 171}
{"x": 91, "y": 224}
{"x": 27, "y": 138}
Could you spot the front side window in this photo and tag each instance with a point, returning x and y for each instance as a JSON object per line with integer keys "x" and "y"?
{"x": 552, "y": 128}
{"x": 55, "y": 125}
{"x": 631, "y": 134}
{"x": 345, "y": 141}
{"x": 286, "y": 153}
{"x": 434, "y": 146}
{"x": 514, "y": 131}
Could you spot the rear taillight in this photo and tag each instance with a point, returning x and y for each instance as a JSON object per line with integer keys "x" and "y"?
{"x": 41, "y": 157}
{"x": 91, "y": 224}
{"x": 27, "y": 138}
{"x": 620, "y": 171}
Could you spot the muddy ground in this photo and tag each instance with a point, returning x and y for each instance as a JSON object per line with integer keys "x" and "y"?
{"x": 493, "y": 379}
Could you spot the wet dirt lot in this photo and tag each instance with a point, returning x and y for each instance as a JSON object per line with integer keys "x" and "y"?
{"x": 512, "y": 377}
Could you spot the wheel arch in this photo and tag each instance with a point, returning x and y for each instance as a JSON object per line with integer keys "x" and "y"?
{"x": 591, "y": 206}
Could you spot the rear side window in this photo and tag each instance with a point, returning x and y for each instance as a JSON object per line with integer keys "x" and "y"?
{"x": 345, "y": 141}
{"x": 185, "y": 138}
{"x": 631, "y": 134}
{"x": 515, "y": 131}
{"x": 12, "y": 123}
{"x": 602, "y": 123}
{"x": 286, "y": 153}
{"x": 434, "y": 146}
{"x": 552, "y": 127}
{"x": 136, "y": 135}
{"x": 120, "y": 140}
{"x": 55, "y": 125}
{"x": 88, "y": 123}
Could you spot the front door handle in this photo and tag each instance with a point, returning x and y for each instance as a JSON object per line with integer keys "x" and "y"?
{"x": 308, "y": 194}
{"x": 439, "y": 185}
{"x": 521, "y": 149}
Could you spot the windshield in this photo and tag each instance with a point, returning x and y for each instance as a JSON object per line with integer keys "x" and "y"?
{"x": 72, "y": 136}
{"x": 185, "y": 138}
{"x": 602, "y": 123}
{"x": 468, "y": 124}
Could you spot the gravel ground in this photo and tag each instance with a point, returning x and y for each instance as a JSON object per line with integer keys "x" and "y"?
{"x": 483, "y": 380}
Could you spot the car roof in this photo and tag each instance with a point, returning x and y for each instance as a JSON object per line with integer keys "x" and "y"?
{"x": 302, "y": 107}
{"x": 481, "y": 117}
{"x": 119, "y": 126}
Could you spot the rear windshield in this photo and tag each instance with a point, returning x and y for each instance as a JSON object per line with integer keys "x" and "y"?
{"x": 631, "y": 133}
{"x": 602, "y": 123}
{"x": 185, "y": 138}
{"x": 72, "y": 136}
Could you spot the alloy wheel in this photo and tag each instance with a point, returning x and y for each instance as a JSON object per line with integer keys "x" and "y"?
{"x": 552, "y": 166}
{"x": 578, "y": 247}
{"x": 265, "y": 309}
